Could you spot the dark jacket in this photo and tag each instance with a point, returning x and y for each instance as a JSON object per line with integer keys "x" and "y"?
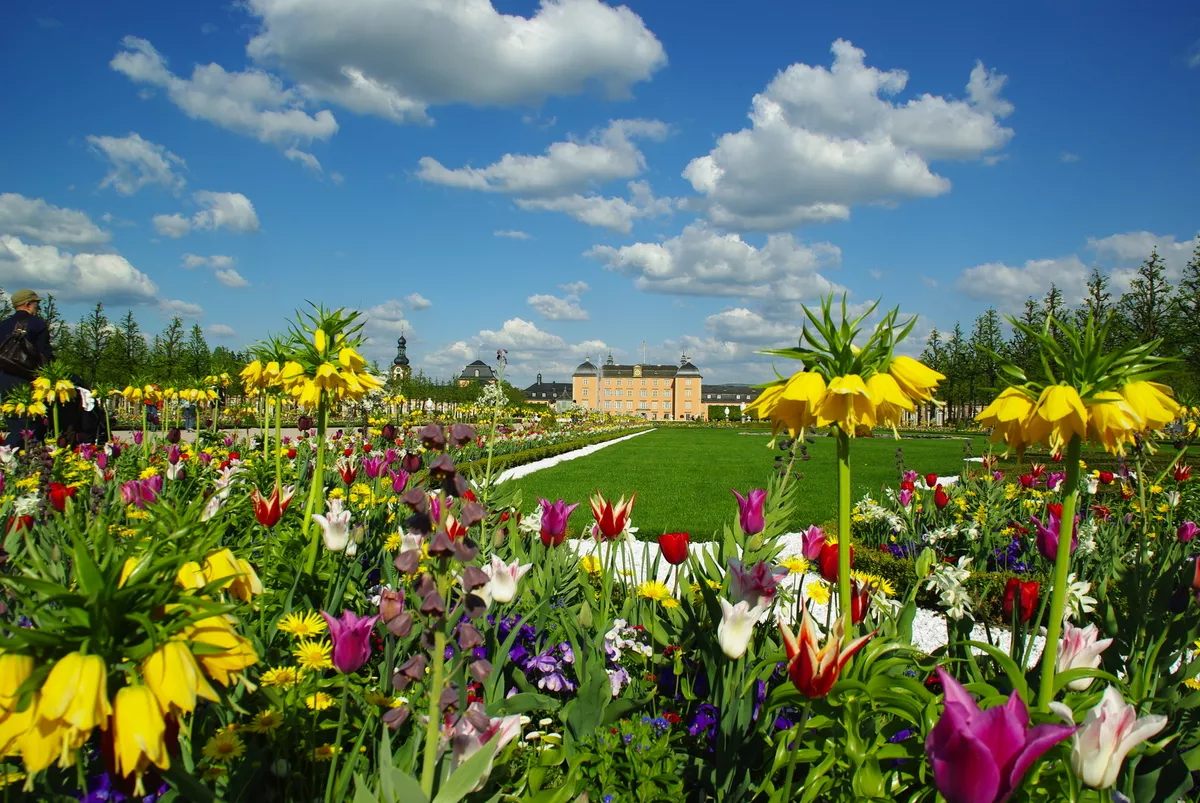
{"x": 36, "y": 331}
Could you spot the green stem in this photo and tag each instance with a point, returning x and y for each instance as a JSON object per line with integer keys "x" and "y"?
{"x": 791, "y": 767}
{"x": 54, "y": 414}
{"x": 433, "y": 726}
{"x": 264, "y": 430}
{"x": 278, "y": 442}
{"x": 338, "y": 741}
{"x": 1062, "y": 567}
{"x": 843, "y": 472}
{"x": 316, "y": 490}
{"x": 145, "y": 440}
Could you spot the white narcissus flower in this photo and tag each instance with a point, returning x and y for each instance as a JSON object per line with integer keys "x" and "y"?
{"x": 1080, "y": 648}
{"x": 1106, "y": 736}
{"x": 737, "y": 626}
{"x": 504, "y": 578}
{"x": 335, "y": 526}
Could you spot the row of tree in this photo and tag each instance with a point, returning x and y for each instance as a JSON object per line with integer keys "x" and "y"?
{"x": 1153, "y": 308}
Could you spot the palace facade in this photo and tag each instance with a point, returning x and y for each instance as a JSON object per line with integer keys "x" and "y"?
{"x": 654, "y": 392}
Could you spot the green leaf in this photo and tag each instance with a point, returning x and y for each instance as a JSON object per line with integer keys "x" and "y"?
{"x": 521, "y": 703}
{"x": 1015, "y": 675}
{"x": 464, "y": 779}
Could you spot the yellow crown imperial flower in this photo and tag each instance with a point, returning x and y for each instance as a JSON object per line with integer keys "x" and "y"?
{"x": 139, "y": 733}
{"x": 75, "y": 692}
{"x": 320, "y": 341}
{"x": 890, "y": 401}
{"x": 847, "y": 403}
{"x": 231, "y": 655}
{"x": 173, "y": 675}
{"x": 1152, "y": 403}
{"x": 916, "y": 380}
{"x": 351, "y": 359}
{"x": 1007, "y": 415}
{"x": 15, "y": 669}
{"x": 252, "y": 374}
{"x": 1058, "y": 416}
{"x": 1112, "y": 421}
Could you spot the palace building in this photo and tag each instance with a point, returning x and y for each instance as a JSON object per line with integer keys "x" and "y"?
{"x": 547, "y": 392}
{"x": 654, "y": 392}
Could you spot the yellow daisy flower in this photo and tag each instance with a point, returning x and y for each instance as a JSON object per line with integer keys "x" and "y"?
{"x": 655, "y": 590}
{"x": 393, "y": 542}
{"x": 265, "y": 721}
{"x": 284, "y": 677}
{"x": 818, "y": 592}
{"x": 313, "y": 655}
{"x": 876, "y": 582}
{"x": 148, "y": 473}
{"x": 670, "y": 602}
{"x": 303, "y": 626}
{"x": 224, "y": 746}
{"x": 590, "y": 564}
{"x": 795, "y": 565}
{"x": 319, "y": 701}
{"x": 325, "y": 752}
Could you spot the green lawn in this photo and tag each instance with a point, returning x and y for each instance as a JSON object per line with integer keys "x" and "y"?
{"x": 683, "y": 476}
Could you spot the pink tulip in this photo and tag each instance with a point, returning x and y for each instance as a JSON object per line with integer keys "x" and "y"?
{"x": 814, "y": 542}
{"x": 351, "y": 637}
{"x": 750, "y": 511}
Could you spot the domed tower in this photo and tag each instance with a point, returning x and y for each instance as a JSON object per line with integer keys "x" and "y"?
{"x": 585, "y": 385}
{"x": 400, "y": 366}
{"x": 689, "y": 391}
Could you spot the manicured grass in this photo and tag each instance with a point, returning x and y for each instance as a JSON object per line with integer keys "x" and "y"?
{"x": 683, "y": 476}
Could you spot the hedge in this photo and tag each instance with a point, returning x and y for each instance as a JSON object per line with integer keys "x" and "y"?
{"x": 502, "y": 462}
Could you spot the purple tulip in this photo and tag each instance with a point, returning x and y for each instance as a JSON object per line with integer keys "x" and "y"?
{"x": 131, "y": 493}
{"x": 1047, "y": 536}
{"x": 1187, "y": 531}
{"x": 372, "y": 466}
{"x": 1053, "y": 479}
{"x": 814, "y": 542}
{"x": 750, "y": 511}
{"x": 997, "y": 475}
{"x": 174, "y": 454}
{"x": 228, "y": 442}
{"x": 152, "y": 487}
{"x": 351, "y": 637}
{"x": 390, "y": 456}
{"x": 102, "y": 461}
{"x": 755, "y": 585}
{"x": 982, "y": 756}
{"x": 399, "y": 480}
{"x": 910, "y": 476}
{"x": 554, "y": 517}
{"x": 205, "y": 458}
{"x": 904, "y": 497}
{"x": 137, "y": 437}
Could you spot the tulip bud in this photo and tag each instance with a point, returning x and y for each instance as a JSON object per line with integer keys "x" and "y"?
{"x": 388, "y": 433}
{"x": 173, "y": 435}
{"x": 925, "y": 563}
{"x": 411, "y": 462}
{"x": 304, "y": 422}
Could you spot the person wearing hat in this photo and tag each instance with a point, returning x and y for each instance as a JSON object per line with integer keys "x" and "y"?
{"x": 26, "y": 304}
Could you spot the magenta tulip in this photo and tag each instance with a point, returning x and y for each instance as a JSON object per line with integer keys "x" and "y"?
{"x": 982, "y": 756}
{"x": 814, "y": 542}
{"x": 1186, "y": 531}
{"x": 1047, "y": 536}
{"x": 750, "y": 511}
{"x": 554, "y": 520}
{"x": 756, "y": 584}
{"x": 351, "y": 637}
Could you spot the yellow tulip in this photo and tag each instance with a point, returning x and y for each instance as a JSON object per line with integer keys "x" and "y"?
{"x": 221, "y": 565}
{"x": 138, "y": 733}
{"x": 1112, "y": 421}
{"x": 1152, "y": 402}
{"x": 890, "y": 401}
{"x": 916, "y": 380}
{"x": 847, "y": 403}
{"x": 15, "y": 669}
{"x": 76, "y": 692}
{"x": 235, "y": 653}
{"x": 247, "y": 583}
{"x": 173, "y": 675}
{"x": 1058, "y": 416}
{"x": 191, "y": 576}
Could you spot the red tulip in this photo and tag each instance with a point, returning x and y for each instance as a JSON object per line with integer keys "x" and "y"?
{"x": 1036, "y": 469}
{"x": 815, "y": 669}
{"x": 291, "y": 454}
{"x": 1183, "y": 472}
{"x": 1102, "y": 512}
{"x": 59, "y": 494}
{"x": 828, "y": 561}
{"x": 270, "y": 510}
{"x": 1106, "y": 477}
{"x": 1027, "y": 480}
{"x": 860, "y": 601}
{"x": 931, "y": 480}
{"x": 907, "y": 486}
{"x": 611, "y": 520}
{"x": 1055, "y": 509}
{"x": 940, "y": 497}
{"x": 1024, "y": 595}
{"x": 18, "y": 523}
{"x": 348, "y": 471}
{"x": 674, "y": 547}
{"x": 1057, "y": 457}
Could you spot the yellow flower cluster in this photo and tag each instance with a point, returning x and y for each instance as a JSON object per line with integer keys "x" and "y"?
{"x": 1109, "y": 418}
{"x": 805, "y": 400}
{"x": 149, "y": 393}
{"x": 59, "y": 390}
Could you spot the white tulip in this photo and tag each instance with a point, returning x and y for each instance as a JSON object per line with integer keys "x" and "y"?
{"x": 1080, "y": 648}
{"x": 737, "y": 626}
{"x": 1107, "y": 734}
{"x": 504, "y": 577}
{"x": 335, "y": 526}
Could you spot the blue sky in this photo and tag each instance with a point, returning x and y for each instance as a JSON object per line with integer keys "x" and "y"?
{"x": 568, "y": 178}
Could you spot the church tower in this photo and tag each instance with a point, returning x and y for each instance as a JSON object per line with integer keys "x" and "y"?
{"x": 400, "y": 366}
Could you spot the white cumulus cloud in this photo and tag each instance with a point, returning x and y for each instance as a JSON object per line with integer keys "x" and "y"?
{"x": 70, "y": 276}
{"x": 417, "y": 301}
{"x": 220, "y": 330}
{"x": 221, "y": 210}
{"x": 395, "y": 58}
{"x": 135, "y": 162}
{"x": 554, "y": 308}
{"x": 511, "y": 234}
{"x": 824, "y": 139}
{"x": 34, "y": 219}
{"x": 254, "y": 102}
